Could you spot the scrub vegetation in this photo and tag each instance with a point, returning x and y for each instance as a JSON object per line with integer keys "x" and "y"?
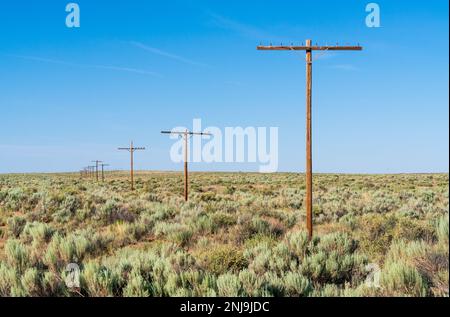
{"x": 239, "y": 235}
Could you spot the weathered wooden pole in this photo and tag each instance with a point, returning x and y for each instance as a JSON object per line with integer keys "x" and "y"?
{"x": 186, "y": 135}
{"x": 96, "y": 168}
{"x": 103, "y": 171}
{"x": 308, "y": 203}
{"x": 308, "y": 48}
{"x": 186, "y": 156}
{"x": 131, "y": 167}
{"x": 131, "y": 149}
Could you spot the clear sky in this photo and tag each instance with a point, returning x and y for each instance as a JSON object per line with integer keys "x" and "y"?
{"x": 133, "y": 68}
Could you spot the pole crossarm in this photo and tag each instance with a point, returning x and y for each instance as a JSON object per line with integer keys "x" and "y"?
{"x": 309, "y": 48}
{"x": 185, "y": 133}
{"x": 131, "y": 149}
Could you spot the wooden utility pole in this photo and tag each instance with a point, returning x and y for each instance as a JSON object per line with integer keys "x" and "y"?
{"x": 103, "y": 171}
{"x": 96, "y": 168}
{"x": 186, "y": 135}
{"x": 131, "y": 149}
{"x": 309, "y": 48}
{"x": 91, "y": 171}
{"x": 85, "y": 172}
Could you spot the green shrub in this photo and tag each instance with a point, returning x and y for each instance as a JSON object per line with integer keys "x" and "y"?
{"x": 72, "y": 248}
{"x": 224, "y": 258}
{"x": 99, "y": 281}
{"x": 136, "y": 286}
{"x": 228, "y": 285}
{"x": 296, "y": 284}
{"x": 176, "y": 232}
{"x": 37, "y": 231}
{"x": 298, "y": 243}
{"x": 17, "y": 255}
{"x": 15, "y": 226}
{"x": 377, "y": 233}
{"x": 400, "y": 279}
{"x": 31, "y": 282}
{"x": 8, "y": 279}
{"x": 251, "y": 283}
{"x": 442, "y": 232}
{"x": 53, "y": 285}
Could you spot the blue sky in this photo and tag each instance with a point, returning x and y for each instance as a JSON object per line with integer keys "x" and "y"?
{"x": 133, "y": 68}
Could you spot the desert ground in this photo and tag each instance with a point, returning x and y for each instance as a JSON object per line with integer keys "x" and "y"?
{"x": 240, "y": 234}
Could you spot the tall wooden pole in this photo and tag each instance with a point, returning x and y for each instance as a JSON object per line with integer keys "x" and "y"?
{"x": 96, "y": 169}
{"x": 186, "y": 155}
{"x": 308, "y": 48}
{"x": 103, "y": 171}
{"x": 308, "y": 204}
{"x": 186, "y": 134}
{"x": 131, "y": 170}
{"x": 131, "y": 149}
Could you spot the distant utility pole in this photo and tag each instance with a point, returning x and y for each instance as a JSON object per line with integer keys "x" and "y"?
{"x": 91, "y": 171}
{"x": 103, "y": 172}
{"x": 131, "y": 149}
{"x": 96, "y": 168}
{"x": 309, "y": 48}
{"x": 186, "y": 135}
{"x": 85, "y": 172}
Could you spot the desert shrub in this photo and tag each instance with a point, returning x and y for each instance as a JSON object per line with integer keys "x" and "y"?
{"x": 224, "y": 258}
{"x": 176, "y": 232}
{"x": 113, "y": 211}
{"x": 228, "y": 285}
{"x": 181, "y": 237}
{"x": 31, "y": 282}
{"x": 53, "y": 285}
{"x": 381, "y": 202}
{"x": 263, "y": 258}
{"x": 37, "y": 231}
{"x": 296, "y": 285}
{"x": 72, "y": 248}
{"x": 8, "y": 279}
{"x": 208, "y": 197}
{"x": 273, "y": 285}
{"x": 442, "y": 231}
{"x": 190, "y": 283}
{"x": 251, "y": 283}
{"x": 137, "y": 286}
{"x": 400, "y": 279}
{"x": 15, "y": 226}
{"x": 260, "y": 226}
{"x": 15, "y": 198}
{"x": 377, "y": 232}
{"x": 67, "y": 208}
{"x": 162, "y": 212}
{"x": 411, "y": 230}
{"x": 260, "y": 239}
{"x": 298, "y": 243}
{"x": 349, "y": 220}
{"x": 99, "y": 281}
{"x": 203, "y": 224}
{"x": 429, "y": 262}
{"x": 17, "y": 255}
{"x": 230, "y": 190}
{"x": 221, "y": 220}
